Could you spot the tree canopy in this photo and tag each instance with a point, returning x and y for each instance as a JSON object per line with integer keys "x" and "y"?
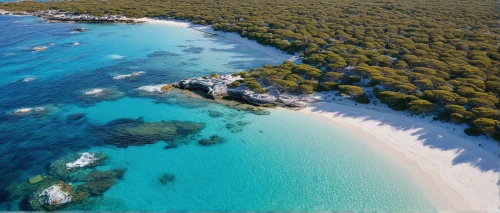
{"x": 443, "y": 52}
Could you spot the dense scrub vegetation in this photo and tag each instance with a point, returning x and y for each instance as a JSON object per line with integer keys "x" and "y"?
{"x": 422, "y": 56}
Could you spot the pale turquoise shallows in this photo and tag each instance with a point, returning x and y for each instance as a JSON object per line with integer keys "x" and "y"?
{"x": 285, "y": 161}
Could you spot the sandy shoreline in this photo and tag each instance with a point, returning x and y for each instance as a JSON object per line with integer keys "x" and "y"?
{"x": 457, "y": 172}
{"x": 251, "y": 44}
{"x": 454, "y": 172}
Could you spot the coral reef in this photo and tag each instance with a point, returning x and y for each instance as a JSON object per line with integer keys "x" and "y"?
{"x": 129, "y": 132}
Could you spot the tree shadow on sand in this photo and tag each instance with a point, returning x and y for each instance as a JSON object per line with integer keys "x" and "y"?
{"x": 469, "y": 153}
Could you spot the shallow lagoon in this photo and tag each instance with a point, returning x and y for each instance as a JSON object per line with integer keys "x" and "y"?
{"x": 283, "y": 161}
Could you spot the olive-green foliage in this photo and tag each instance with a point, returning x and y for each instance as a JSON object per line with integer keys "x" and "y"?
{"x": 419, "y": 106}
{"x": 355, "y": 92}
{"x": 234, "y": 84}
{"x": 444, "y": 50}
{"x": 255, "y": 86}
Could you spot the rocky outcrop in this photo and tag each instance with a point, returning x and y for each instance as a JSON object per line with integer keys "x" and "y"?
{"x": 217, "y": 88}
{"x": 52, "y": 197}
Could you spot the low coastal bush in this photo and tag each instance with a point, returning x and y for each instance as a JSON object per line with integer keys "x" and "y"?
{"x": 234, "y": 84}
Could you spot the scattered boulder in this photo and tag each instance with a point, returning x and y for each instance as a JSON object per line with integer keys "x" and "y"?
{"x": 167, "y": 178}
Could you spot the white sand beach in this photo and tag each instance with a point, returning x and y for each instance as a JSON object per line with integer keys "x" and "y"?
{"x": 251, "y": 44}
{"x": 457, "y": 172}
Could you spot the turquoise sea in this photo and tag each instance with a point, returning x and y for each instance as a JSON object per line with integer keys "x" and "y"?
{"x": 276, "y": 161}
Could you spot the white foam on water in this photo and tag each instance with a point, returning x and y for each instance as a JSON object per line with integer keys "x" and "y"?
{"x": 152, "y": 88}
{"x": 23, "y": 111}
{"x": 121, "y": 77}
{"x": 28, "y": 79}
{"x": 94, "y": 92}
{"x": 116, "y": 57}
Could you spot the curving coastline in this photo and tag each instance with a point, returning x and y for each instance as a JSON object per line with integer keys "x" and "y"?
{"x": 457, "y": 172}
{"x": 459, "y": 195}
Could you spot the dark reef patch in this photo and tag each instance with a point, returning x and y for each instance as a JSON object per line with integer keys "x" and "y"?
{"x": 167, "y": 178}
{"x": 215, "y": 114}
{"x": 193, "y": 50}
{"x": 214, "y": 139}
{"x": 161, "y": 54}
{"x": 75, "y": 117}
{"x": 127, "y": 132}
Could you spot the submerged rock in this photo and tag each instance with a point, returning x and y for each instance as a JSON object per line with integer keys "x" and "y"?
{"x": 98, "y": 182}
{"x": 96, "y": 187}
{"x": 238, "y": 127}
{"x": 129, "y": 132}
{"x": 100, "y": 94}
{"x": 215, "y": 114}
{"x": 39, "y": 48}
{"x": 167, "y": 178}
{"x": 170, "y": 146}
{"x": 103, "y": 175}
{"x": 35, "y": 179}
{"x": 26, "y": 188}
{"x": 52, "y": 198}
{"x": 214, "y": 139}
{"x": 75, "y": 117}
{"x": 72, "y": 167}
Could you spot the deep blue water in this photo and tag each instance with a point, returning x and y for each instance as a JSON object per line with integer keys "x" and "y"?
{"x": 283, "y": 161}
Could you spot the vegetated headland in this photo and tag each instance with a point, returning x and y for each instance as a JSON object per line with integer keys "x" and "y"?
{"x": 438, "y": 58}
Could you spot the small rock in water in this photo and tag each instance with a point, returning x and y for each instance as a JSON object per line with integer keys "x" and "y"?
{"x": 261, "y": 112}
{"x": 80, "y": 29}
{"x": 214, "y": 139}
{"x": 215, "y": 114}
{"x": 39, "y": 48}
{"x": 75, "y": 117}
{"x": 170, "y": 146}
{"x": 167, "y": 178}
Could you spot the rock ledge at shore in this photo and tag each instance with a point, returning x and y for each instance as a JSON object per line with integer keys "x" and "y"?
{"x": 216, "y": 87}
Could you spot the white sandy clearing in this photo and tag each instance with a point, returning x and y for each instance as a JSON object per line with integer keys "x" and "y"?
{"x": 164, "y": 21}
{"x": 457, "y": 172}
